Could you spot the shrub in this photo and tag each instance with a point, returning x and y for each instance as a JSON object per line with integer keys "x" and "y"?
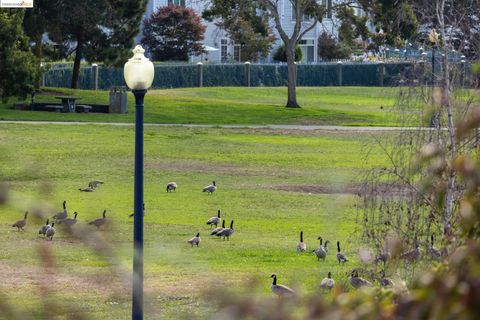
{"x": 329, "y": 49}
{"x": 280, "y": 54}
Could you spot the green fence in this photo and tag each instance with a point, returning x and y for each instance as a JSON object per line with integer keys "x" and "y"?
{"x": 271, "y": 75}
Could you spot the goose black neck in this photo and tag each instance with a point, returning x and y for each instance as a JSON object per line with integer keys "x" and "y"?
{"x": 231, "y": 225}
{"x": 274, "y": 280}
{"x": 329, "y": 275}
{"x": 198, "y": 234}
{"x": 338, "y": 246}
{"x": 301, "y": 236}
{"x": 223, "y": 224}
{"x": 218, "y": 214}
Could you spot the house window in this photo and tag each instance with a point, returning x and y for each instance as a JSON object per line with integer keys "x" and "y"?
{"x": 177, "y": 2}
{"x": 308, "y": 50}
{"x": 328, "y": 6}
{"x": 236, "y": 52}
{"x": 224, "y": 49}
{"x": 294, "y": 15}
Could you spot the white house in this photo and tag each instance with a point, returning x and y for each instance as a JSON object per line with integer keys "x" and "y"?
{"x": 221, "y": 48}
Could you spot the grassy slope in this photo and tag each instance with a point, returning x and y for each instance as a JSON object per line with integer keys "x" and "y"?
{"x": 248, "y": 166}
{"x": 321, "y": 105}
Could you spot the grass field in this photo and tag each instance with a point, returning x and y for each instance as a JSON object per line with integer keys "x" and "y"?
{"x": 352, "y": 106}
{"x": 272, "y": 183}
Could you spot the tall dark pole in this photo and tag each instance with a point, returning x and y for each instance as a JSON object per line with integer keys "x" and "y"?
{"x": 137, "y": 292}
{"x": 433, "y": 65}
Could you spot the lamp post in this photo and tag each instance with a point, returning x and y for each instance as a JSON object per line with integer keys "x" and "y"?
{"x": 138, "y": 73}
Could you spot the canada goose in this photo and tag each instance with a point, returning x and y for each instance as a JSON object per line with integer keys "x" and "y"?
{"x": 320, "y": 251}
{"x": 100, "y": 221}
{"x": 143, "y": 206}
{"x": 434, "y": 253}
{"x": 341, "y": 257}
{"x": 385, "y": 282}
{"x": 210, "y": 189}
{"x": 411, "y": 255}
{"x": 301, "y": 246}
{"x": 195, "y": 240}
{"x": 95, "y": 184}
{"x": 87, "y": 189}
{"x": 279, "y": 289}
{"x": 44, "y": 228}
{"x": 50, "y": 232}
{"x": 326, "y": 245}
{"x": 358, "y": 282}
{"x": 218, "y": 229}
{"x": 226, "y": 233}
{"x": 328, "y": 282}
{"x": 63, "y": 214}
{"x": 171, "y": 186}
{"x": 70, "y": 221}
{"x": 214, "y": 221}
{"x": 21, "y": 223}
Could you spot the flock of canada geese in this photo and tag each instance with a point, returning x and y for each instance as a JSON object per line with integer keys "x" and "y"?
{"x": 48, "y": 231}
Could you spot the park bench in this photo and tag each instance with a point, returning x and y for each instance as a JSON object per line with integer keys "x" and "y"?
{"x": 83, "y": 108}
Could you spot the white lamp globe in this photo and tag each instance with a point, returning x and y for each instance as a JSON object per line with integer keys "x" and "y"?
{"x": 139, "y": 70}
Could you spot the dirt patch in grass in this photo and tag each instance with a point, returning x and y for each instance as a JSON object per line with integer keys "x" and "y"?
{"x": 356, "y": 189}
{"x": 204, "y": 168}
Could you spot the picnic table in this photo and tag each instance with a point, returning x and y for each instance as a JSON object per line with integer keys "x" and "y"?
{"x": 68, "y": 102}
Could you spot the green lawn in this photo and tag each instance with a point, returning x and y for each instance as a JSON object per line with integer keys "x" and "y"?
{"x": 273, "y": 183}
{"x": 352, "y": 106}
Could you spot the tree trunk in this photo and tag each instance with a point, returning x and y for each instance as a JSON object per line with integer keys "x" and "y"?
{"x": 76, "y": 65}
{"x": 38, "y": 53}
{"x": 292, "y": 76}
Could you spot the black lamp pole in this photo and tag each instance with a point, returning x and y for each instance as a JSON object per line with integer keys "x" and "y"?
{"x": 433, "y": 65}
{"x": 137, "y": 292}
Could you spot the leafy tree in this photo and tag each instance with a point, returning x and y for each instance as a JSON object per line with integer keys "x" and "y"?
{"x": 17, "y": 63}
{"x": 245, "y": 24}
{"x": 308, "y": 13}
{"x": 396, "y": 18}
{"x": 96, "y": 30}
{"x": 35, "y": 22}
{"x": 280, "y": 54}
{"x": 329, "y": 49}
{"x": 173, "y": 33}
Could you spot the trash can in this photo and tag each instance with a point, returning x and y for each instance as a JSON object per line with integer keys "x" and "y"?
{"x": 118, "y": 100}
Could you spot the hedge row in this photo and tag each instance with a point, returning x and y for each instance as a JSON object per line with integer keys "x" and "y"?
{"x": 188, "y": 75}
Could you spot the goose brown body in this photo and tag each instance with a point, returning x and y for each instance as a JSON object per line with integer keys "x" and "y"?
{"x": 214, "y": 221}
{"x": 218, "y": 229}
{"x": 20, "y": 224}
{"x": 327, "y": 283}
{"x": 227, "y": 232}
{"x": 50, "y": 232}
{"x": 341, "y": 257}
{"x": 70, "y": 221}
{"x": 301, "y": 246}
{"x": 210, "y": 189}
{"x": 44, "y": 228}
{"x": 358, "y": 282}
{"x": 320, "y": 252}
{"x": 63, "y": 214}
{"x": 195, "y": 240}
{"x": 279, "y": 289}
{"x": 100, "y": 221}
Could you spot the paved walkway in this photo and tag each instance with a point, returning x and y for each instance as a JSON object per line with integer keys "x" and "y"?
{"x": 226, "y": 126}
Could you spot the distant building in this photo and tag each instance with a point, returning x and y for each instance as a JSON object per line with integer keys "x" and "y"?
{"x": 221, "y": 48}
